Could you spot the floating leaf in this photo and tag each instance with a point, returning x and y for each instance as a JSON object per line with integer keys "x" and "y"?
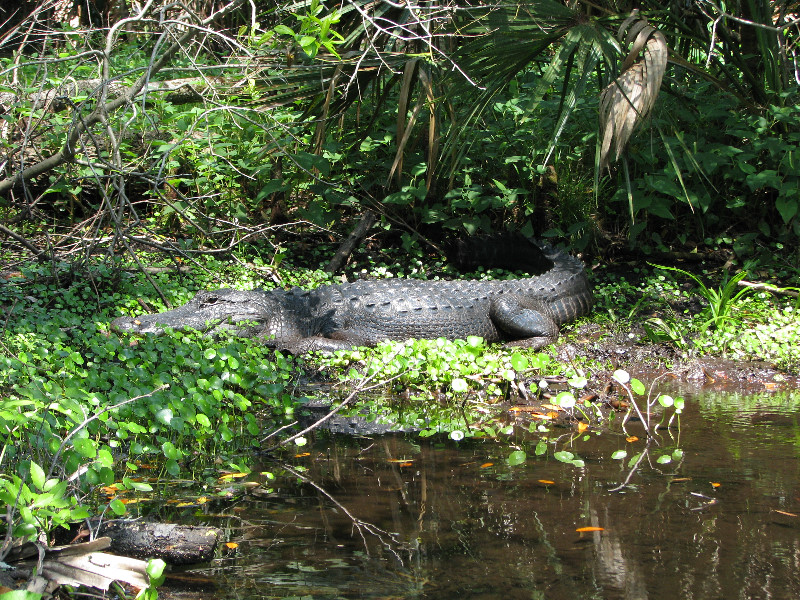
{"x": 517, "y": 457}
{"x": 564, "y": 456}
{"x": 547, "y": 482}
{"x": 665, "y": 400}
{"x": 619, "y": 454}
{"x": 229, "y": 476}
{"x": 588, "y": 529}
{"x": 637, "y": 387}
{"x": 486, "y": 465}
{"x": 714, "y": 484}
{"x": 632, "y": 438}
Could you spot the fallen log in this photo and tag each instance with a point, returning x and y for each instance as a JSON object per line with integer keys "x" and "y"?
{"x": 174, "y": 544}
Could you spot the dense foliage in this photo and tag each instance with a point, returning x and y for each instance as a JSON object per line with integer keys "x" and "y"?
{"x": 452, "y": 118}
{"x": 216, "y": 140}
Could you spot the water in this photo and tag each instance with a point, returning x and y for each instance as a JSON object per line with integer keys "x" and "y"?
{"x": 397, "y": 517}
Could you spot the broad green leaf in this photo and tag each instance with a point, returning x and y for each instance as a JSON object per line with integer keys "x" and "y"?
{"x": 117, "y": 506}
{"x": 85, "y": 447}
{"x": 564, "y": 456}
{"x": 37, "y": 476}
{"x": 517, "y": 458}
{"x": 665, "y": 400}
{"x": 541, "y": 448}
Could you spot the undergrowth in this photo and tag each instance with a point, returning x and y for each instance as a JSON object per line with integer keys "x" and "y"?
{"x": 82, "y": 408}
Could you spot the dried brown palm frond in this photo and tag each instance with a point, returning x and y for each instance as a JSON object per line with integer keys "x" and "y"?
{"x": 631, "y": 96}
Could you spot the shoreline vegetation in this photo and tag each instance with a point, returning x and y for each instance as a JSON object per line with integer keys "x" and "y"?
{"x": 148, "y": 155}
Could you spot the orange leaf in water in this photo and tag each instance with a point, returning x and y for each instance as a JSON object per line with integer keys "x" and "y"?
{"x": 229, "y": 476}
{"x": 631, "y": 439}
{"x": 405, "y": 464}
{"x": 541, "y": 417}
{"x": 552, "y": 415}
{"x": 302, "y": 455}
{"x": 398, "y": 460}
{"x": 680, "y": 479}
{"x": 552, "y": 407}
{"x": 486, "y": 465}
{"x": 546, "y": 481}
{"x": 783, "y": 512}
{"x": 715, "y": 484}
{"x": 582, "y": 427}
{"x": 586, "y": 529}
{"x": 231, "y": 545}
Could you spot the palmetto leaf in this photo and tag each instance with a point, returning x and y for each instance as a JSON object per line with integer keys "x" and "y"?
{"x": 631, "y": 96}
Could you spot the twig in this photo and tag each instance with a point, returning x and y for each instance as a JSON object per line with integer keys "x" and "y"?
{"x": 633, "y": 470}
{"x": 768, "y": 287}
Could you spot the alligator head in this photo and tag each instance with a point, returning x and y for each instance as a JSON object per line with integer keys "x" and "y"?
{"x": 243, "y": 313}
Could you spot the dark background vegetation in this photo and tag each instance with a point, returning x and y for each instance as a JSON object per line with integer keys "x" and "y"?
{"x": 219, "y": 124}
{"x": 244, "y": 140}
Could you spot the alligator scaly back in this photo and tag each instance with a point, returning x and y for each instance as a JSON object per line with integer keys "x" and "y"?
{"x": 525, "y": 312}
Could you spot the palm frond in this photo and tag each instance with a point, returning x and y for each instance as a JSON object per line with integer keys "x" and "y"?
{"x": 631, "y": 96}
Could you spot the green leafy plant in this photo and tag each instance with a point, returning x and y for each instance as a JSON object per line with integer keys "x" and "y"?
{"x": 315, "y": 31}
{"x": 721, "y": 301}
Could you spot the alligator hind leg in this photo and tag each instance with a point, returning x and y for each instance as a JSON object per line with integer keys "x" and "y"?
{"x": 528, "y": 322}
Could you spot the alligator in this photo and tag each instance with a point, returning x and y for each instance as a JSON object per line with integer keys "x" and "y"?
{"x": 523, "y": 312}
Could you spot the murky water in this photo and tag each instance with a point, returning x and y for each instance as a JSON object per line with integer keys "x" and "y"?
{"x": 397, "y": 517}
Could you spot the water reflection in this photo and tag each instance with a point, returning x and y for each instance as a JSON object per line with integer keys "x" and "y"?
{"x": 394, "y": 517}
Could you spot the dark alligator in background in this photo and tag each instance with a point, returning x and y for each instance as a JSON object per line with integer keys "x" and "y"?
{"x": 525, "y": 312}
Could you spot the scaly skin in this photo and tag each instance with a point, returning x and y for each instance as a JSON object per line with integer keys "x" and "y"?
{"x": 524, "y": 312}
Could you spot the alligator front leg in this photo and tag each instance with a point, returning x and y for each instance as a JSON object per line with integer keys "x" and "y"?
{"x": 528, "y": 322}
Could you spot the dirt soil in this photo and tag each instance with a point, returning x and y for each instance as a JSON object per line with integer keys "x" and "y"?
{"x": 648, "y": 361}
